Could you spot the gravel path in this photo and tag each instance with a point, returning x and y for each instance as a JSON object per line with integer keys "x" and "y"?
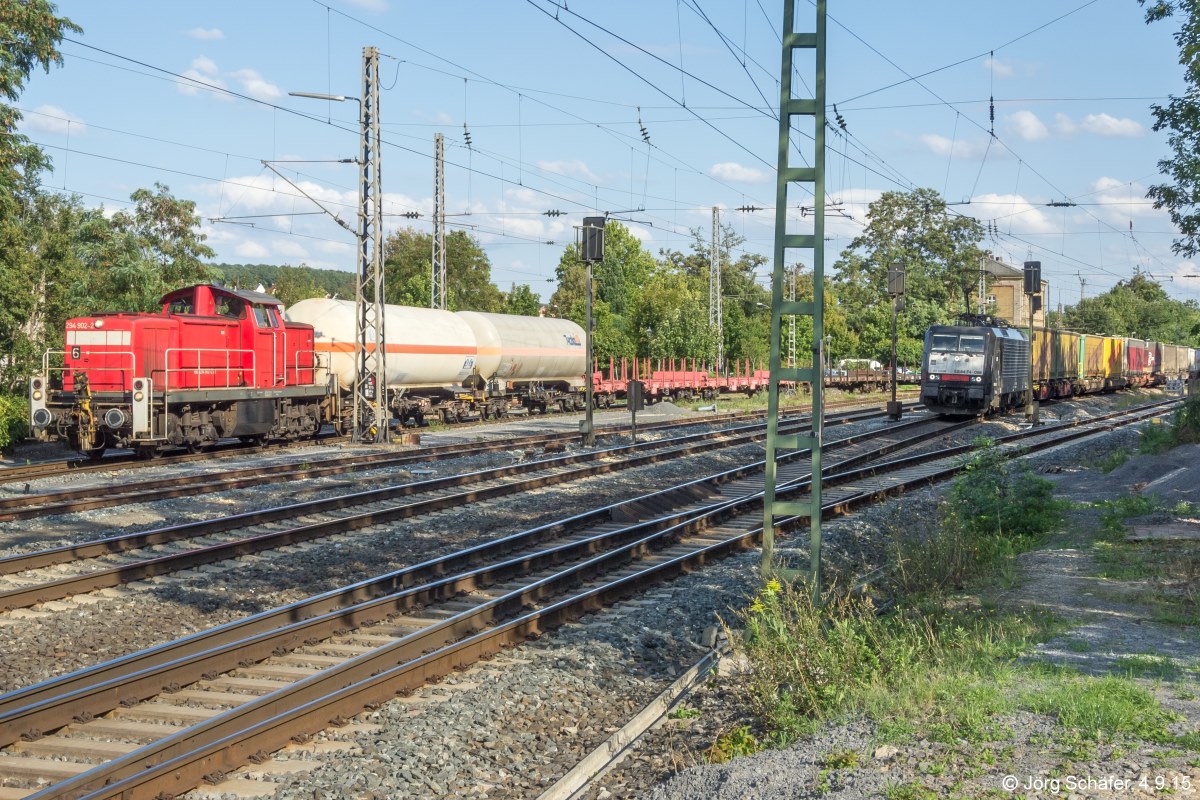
{"x": 1107, "y": 629}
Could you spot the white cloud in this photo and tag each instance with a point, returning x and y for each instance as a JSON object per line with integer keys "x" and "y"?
{"x": 1105, "y": 125}
{"x": 205, "y": 65}
{"x": 52, "y": 119}
{"x": 1000, "y": 69}
{"x": 1064, "y": 125}
{"x": 1027, "y": 125}
{"x": 286, "y": 247}
{"x": 203, "y": 71}
{"x": 733, "y": 171}
{"x": 572, "y": 169}
{"x": 1023, "y": 214}
{"x": 255, "y": 85}
{"x": 251, "y": 250}
{"x": 206, "y": 34}
{"x": 962, "y": 148}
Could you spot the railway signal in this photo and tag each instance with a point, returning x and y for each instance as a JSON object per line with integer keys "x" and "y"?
{"x": 591, "y": 250}
{"x": 895, "y": 281}
{"x": 1033, "y": 291}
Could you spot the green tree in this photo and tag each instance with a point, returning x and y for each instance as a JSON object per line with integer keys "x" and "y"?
{"x": 293, "y": 284}
{"x": 1180, "y": 117}
{"x": 407, "y": 259}
{"x": 29, "y": 37}
{"x": 1137, "y": 306}
{"x": 941, "y": 256}
{"x": 618, "y": 283}
{"x": 521, "y": 300}
{"x": 140, "y": 255}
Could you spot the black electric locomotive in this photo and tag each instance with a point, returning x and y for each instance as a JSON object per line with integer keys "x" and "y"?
{"x": 974, "y": 368}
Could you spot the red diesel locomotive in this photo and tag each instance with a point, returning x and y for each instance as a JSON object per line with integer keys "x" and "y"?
{"x": 214, "y": 363}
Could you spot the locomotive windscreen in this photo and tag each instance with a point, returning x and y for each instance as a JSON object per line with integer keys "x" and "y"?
{"x": 953, "y": 343}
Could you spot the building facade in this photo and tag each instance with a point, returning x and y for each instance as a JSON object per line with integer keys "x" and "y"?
{"x": 1005, "y": 297}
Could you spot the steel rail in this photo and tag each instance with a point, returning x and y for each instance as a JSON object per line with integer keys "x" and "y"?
{"x": 227, "y": 740}
{"x": 79, "y": 466}
{"x": 93, "y": 690}
{"x": 23, "y": 597}
{"x": 65, "y": 501}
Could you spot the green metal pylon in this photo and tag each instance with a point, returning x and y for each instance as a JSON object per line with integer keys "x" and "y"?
{"x": 815, "y": 175}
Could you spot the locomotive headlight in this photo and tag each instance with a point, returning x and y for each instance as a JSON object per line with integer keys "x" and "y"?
{"x": 979, "y": 379}
{"x": 138, "y": 397}
{"x": 99, "y": 323}
{"x": 933, "y": 377}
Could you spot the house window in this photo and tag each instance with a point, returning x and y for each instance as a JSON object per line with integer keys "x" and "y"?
{"x": 991, "y": 298}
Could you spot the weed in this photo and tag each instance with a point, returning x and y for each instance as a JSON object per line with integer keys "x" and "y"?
{"x": 994, "y": 510}
{"x": 823, "y": 785}
{"x": 841, "y": 759}
{"x": 1148, "y": 666}
{"x": 734, "y": 744}
{"x": 1079, "y": 645}
{"x": 684, "y": 712}
{"x": 1113, "y": 460}
{"x": 908, "y": 791}
{"x": 1099, "y": 706}
{"x": 1156, "y": 438}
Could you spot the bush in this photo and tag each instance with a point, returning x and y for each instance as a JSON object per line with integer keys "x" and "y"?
{"x": 1187, "y": 422}
{"x": 13, "y": 420}
{"x": 995, "y": 496}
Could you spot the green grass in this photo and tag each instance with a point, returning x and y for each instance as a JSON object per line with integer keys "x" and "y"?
{"x": 908, "y": 791}
{"x": 684, "y": 712}
{"x": 1113, "y": 460}
{"x": 1145, "y": 665}
{"x": 841, "y": 759}
{"x": 1096, "y": 707}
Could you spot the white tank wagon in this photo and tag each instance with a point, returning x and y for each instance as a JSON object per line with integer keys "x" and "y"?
{"x": 457, "y": 365}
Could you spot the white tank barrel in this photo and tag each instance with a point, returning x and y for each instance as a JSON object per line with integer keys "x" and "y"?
{"x": 430, "y": 347}
{"x": 530, "y": 348}
{"x": 425, "y": 347}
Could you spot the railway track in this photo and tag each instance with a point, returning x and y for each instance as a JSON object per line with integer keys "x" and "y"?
{"x": 66, "y": 501}
{"x": 57, "y": 573}
{"x": 160, "y": 721}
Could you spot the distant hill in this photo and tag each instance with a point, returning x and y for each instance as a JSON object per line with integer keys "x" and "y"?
{"x": 247, "y": 276}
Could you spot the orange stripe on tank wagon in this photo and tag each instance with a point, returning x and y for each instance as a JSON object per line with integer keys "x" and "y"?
{"x": 439, "y": 349}
{"x": 412, "y": 349}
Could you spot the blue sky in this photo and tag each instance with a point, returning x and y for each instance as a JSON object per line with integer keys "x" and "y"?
{"x": 555, "y": 108}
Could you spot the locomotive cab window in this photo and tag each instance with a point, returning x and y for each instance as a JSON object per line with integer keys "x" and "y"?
{"x": 231, "y": 307}
{"x": 944, "y": 342}
{"x": 970, "y": 344}
{"x": 265, "y": 317}
{"x": 181, "y": 305}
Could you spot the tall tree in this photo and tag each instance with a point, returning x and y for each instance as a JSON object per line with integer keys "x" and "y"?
{"x": 1180, "y": 117}
{"x": 521, "y": 300}
{"x": 139, "y": 255}
{"x": 941, "y": 256}
{"x": 293, "y": 284}
{"x": 408, "y": 255}
{"x": 29, "y": 37}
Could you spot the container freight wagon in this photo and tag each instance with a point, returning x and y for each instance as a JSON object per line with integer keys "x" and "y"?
{"x": 1056, "y": 364}
{"x": 1139, "y": 361}
{"x": 1172, "y": 361}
